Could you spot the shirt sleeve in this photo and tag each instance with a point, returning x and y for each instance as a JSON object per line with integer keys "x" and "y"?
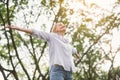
{"x": 41, "y": 35}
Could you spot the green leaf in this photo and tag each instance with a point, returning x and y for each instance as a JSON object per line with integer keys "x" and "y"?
{"x": 43, "y": 2}
{"x": 11, "y": 8}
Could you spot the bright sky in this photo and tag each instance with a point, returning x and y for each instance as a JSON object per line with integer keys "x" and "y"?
{"x": 105, "y": 4}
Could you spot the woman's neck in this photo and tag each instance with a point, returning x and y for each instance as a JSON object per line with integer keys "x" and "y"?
{"x": 60, "y": 33}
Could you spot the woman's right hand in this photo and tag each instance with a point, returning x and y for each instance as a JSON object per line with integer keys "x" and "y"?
{"x": 11, "y": 27}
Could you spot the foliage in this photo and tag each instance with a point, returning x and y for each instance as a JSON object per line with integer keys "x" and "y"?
{"x": 25, "y": 57}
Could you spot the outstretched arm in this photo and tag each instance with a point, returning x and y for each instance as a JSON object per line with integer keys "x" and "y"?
{"x": 40, "y": 34}
{"x": 20, "y": 29}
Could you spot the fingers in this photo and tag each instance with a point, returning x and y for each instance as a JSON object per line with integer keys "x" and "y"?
{"x": 10, "y": 26}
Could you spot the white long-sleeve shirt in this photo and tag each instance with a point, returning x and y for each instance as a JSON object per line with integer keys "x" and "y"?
{"x": 60, "y": 50}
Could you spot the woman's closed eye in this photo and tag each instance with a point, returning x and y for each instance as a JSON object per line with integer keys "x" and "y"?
{"x": 63, "y": 27}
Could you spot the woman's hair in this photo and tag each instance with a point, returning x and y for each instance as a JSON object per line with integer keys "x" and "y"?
{"x": 55, "y": 25}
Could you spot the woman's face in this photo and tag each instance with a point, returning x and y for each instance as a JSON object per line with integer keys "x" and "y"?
{"x": 60, "y": 27}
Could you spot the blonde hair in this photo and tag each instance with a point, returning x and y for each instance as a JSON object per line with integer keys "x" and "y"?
{"x": 55, "y": 25}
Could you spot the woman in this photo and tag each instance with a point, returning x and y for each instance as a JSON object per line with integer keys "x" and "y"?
{"x": 60, "y": 51}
